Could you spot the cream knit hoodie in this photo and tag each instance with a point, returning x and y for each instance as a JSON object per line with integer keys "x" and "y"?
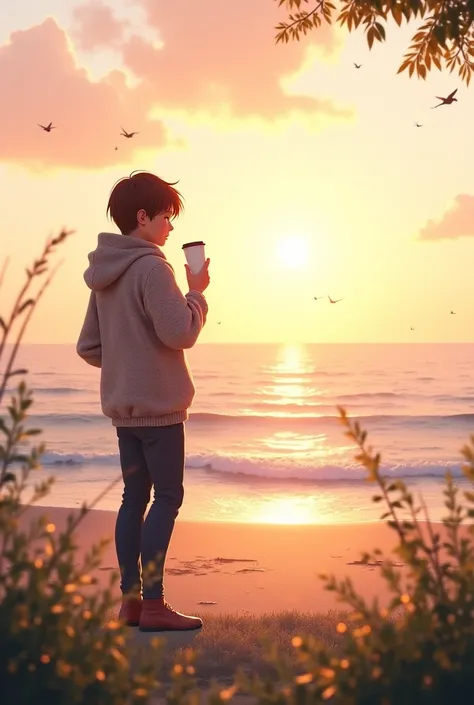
{"x": 137, "y": 325}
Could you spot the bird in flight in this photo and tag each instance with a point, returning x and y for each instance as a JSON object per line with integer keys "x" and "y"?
{"x": 453, "y": 313}
{"x": 446, "y": 101}
{"x": 411, "y": 328}
{"x": 357, "y": 65}
{"x": 115, "y": 148}
{"x": 219, "y": 322}
{"x": 332, "y": 300}
{"x": 417, "y": 124}
{"x": 316, "y": 298}
{"x": 47, "y": 128}
{"x": 126, "y": 134}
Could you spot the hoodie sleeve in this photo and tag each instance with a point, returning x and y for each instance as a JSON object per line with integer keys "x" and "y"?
{"x": 89, "y": 345}
{"x": 177, "y": 319}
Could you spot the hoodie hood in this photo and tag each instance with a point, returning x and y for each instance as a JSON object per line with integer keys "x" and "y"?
{"x": 113, "y": 256}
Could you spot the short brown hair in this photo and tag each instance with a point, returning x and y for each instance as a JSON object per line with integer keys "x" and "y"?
{"x": 142, "y": 190}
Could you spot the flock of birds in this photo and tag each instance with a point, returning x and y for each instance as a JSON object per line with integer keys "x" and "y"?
{"x": 444, "y": 101}
{"x": 449, "y": 100}
{"x": 336, "y": 301}
{"x": 128, "y": 135}
{"x": 124, "y": 133}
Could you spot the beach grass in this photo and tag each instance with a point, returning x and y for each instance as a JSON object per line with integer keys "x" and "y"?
{"x": 229, "y": 641}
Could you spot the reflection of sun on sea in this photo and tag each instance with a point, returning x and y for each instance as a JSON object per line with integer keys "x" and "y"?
{"x": 289, "y": 378}
{"x": 286, "y": 510}
{"x": 293, "y": 359}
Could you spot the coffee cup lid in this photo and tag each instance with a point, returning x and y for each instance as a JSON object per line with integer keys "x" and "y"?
{"x": 192, "y": 244}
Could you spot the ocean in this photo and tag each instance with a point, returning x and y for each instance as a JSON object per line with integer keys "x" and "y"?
{"x": 264, "y": 442}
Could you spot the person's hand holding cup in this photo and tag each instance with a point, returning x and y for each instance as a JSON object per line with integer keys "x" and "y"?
{"x": 197, "y": 266}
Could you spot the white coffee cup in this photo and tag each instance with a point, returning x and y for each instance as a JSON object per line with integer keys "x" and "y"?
{"x": 195, "y": 256}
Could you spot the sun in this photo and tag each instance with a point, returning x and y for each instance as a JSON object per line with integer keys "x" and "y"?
{"x": 293, "y": 252}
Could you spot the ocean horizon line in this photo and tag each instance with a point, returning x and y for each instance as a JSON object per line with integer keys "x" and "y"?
{"x": 289, "y": 343}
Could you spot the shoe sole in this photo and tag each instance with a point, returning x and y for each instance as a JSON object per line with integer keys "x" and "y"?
{"x": 167, "y": 629}
{"x": 132, "y": 624}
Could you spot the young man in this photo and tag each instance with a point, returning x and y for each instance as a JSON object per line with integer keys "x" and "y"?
{"x": 137, "y": 326}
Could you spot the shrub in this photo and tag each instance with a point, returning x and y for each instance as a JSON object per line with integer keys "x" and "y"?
{"x": 426, "y": 657}
{"x": 419, "y": 649}
{"x": 58, "y": 643}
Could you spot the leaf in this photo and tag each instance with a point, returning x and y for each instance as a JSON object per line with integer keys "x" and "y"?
{"x": 381, "y": 30}
{"x": 405, "y": 65}
{"x": 370, "y": 36}
{"x": 408, "y": 525}
{"x": 25, "y": 305}
{"x": 436, "y": 61}
{"x": 419, "y": 36}
{"x": 397, "y": 14}
{"x": 8, "y": 477}
{"x": 13, "y": 413}
{"x": 40, "y": 262}
{"x": 422, "y": 71}
{"x": 17, "y": 372}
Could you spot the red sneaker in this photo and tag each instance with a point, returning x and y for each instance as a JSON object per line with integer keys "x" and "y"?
{"x": 130, "y": 610}
{"x": 159, "y": 616}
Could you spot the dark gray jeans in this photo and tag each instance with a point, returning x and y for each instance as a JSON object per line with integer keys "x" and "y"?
{"x": 150, "y": 456}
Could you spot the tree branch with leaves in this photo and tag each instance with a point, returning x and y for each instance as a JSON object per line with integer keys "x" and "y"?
{"x": 444, "y": 39}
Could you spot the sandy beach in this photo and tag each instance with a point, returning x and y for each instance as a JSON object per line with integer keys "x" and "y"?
{"x": 253, "y": 568}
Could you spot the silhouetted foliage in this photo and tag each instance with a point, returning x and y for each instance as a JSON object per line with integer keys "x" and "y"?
{"x": 58, "y": 642}
{"x": 444, "y": 37}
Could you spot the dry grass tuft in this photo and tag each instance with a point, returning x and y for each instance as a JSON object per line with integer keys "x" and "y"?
{"x": 228, "y": 641}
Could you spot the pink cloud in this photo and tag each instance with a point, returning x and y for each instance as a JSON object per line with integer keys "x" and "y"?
{"x": 457, "y": 221}
{"x": 217, "y": 51}
{"x": 214, "y": 53}
{"x": 95, "y": 25}
{"x": 41, "y": 82}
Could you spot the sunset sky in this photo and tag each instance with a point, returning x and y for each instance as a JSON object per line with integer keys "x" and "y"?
{"x": 303, "y": 175}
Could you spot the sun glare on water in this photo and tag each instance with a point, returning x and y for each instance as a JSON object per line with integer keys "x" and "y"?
{"x": 293, "y": 253}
